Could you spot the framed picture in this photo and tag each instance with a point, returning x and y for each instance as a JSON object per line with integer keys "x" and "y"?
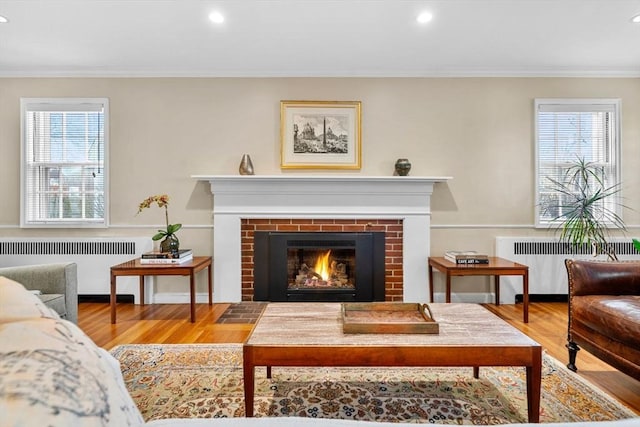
{"x": 320, "y": 135}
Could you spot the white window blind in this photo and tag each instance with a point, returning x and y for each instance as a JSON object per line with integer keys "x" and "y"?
{"x": 570, "y": 130}
{"x": 64, "y": 147}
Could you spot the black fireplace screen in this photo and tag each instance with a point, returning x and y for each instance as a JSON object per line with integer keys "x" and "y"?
{"x": 318, "y": 266}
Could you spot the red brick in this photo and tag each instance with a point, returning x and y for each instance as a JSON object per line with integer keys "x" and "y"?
{"x": 322, "y": 221}
{"x": 280, "y": 221}
{"x": 331, "y": 228}
{"x": 300, "y": 221}
{"x": 266, "y": 227}
{"x": 288, "y": 227}
{"x": 354, "y": 228}
{"x": 389, "y": 221}
{"x": 259, "y": 221}
{"x": 310, "y": 227}
{"x": 345, "y": 221}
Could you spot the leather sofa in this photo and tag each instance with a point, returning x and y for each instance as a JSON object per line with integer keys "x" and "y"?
{"x": 604, "y": 312}
{"x": 55, "y": 284}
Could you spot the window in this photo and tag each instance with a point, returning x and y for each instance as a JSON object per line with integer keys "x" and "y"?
{"x": 569, "y": 130}
{"x": 63, "y": 176}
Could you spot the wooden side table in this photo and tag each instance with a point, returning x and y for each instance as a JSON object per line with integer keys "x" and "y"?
{"x": 496, "y": 267}
{"x": 135, "y": 268}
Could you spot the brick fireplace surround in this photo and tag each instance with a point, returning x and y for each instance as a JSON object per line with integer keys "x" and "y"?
{"x": 393, "y": 245}
{"x": 398, "y": 205}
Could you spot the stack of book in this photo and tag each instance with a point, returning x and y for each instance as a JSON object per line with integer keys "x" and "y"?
{"x": 466, "y": 257}
{"x": 156, "y": 257}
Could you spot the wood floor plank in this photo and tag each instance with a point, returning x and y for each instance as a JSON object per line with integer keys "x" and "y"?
{"x": 169, "y": 324}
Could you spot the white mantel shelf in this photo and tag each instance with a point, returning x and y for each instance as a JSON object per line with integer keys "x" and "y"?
{"x": 237, "y": 197}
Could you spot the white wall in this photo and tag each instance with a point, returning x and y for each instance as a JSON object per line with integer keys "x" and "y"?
{"x": 478, "y": 130}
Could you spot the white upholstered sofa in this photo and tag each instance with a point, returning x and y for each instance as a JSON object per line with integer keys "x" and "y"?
{"x": 52, "y": 374}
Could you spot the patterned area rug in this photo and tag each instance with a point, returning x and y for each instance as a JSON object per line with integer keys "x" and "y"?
{"x": 205, "y": 380}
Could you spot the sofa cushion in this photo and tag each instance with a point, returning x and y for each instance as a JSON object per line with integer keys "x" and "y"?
{"x": 16, "y": 303}
{"x": 52, "y": 374}
{"x": 616, "y": 317}
{"x": 55, "y": 302}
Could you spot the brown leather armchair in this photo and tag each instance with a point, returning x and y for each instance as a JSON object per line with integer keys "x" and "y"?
{"x": 604, "y": 313}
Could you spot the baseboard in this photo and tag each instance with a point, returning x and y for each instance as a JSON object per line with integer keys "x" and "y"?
{"x": 178, "y": 298}
{"x": 159, "y": 298}
{"x": 544, "y": 298}
{"x": 105, "y": 298}
{"x": 467, "y": 297}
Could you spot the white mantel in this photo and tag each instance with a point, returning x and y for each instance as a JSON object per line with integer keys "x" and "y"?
{"x": 237, "y": 197}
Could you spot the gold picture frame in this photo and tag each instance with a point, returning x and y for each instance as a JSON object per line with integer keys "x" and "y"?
{"x": 320, "y": 135}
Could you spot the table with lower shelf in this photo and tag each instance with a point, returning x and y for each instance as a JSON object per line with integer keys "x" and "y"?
{"x": 496, "y": 267}
{"x": 135, "y": 268}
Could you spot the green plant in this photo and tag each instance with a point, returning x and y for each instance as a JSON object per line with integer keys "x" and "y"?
{"x": 636, "y": 244}
{"x": 162, "y": 200}
{"x": 585, "y": 213}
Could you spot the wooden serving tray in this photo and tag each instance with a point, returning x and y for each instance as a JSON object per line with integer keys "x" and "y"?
{"x": 388, "y": 318}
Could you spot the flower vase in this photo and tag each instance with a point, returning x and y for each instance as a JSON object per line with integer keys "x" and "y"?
{"x": 170, "y": 244}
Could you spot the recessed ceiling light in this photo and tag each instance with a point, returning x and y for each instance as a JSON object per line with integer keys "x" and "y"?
{"x": 216, "y": 17}
{"x": 636, "y": 19}
{"x": 424, "y": 17}
{"x": 3, "y": 20}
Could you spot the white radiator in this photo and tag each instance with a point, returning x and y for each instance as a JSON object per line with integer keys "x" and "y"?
{"x": 545, "y": 257}
{"x": 94, "y": 257}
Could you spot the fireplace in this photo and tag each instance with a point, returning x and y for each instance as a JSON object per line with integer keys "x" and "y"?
{"x": 319, "y": 266}
{"x": 296, "y": 197}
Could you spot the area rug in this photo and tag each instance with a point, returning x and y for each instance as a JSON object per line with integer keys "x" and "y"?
{"x": 205, "y": 380}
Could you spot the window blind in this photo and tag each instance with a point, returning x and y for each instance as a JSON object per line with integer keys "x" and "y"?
{"x": 568, "y": 131}
{"x": 64, "y": 145}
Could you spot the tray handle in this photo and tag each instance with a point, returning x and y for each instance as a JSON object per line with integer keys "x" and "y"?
{"x": 424, "y": 309}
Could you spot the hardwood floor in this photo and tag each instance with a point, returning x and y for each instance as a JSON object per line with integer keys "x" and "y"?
{"x": 169, "y": 324}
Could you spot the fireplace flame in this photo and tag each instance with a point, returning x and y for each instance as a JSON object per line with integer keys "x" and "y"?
{"x": 322, "y": 265}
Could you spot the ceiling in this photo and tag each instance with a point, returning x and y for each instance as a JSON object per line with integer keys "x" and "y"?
{"x": 320, "y": 38}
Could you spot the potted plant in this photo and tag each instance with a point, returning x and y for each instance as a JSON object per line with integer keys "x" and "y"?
{"x": 170, "y": 243}
{"x": 586, "y": 215}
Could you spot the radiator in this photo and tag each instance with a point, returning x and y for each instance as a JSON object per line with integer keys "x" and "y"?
{"x": 94, "y": 257}
{"x": 545, "y": 257}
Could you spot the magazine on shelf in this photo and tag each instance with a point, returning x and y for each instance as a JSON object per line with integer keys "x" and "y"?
{"x": 466, "y": 257}
{"x": 182, "y": 253}
{"x": 167, "y": 260}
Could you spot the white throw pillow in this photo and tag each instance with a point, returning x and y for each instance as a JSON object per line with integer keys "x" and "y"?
{"x": 52, "y": 374}
{"x": 17, "y": 303}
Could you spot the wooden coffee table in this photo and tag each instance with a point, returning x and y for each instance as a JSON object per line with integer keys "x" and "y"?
{"x": 310, "y": 334}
